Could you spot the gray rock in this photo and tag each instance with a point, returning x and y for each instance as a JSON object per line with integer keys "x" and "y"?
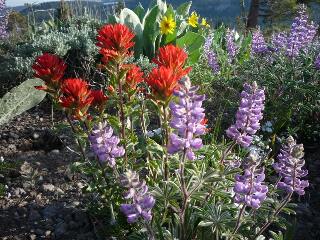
{"x": 55, "y": 151}
{"x": 19, "y": 192}
{"x": 50, "y": 211}
{"x": 33, "y": 237}
{"x": 13, "y": 135}
{"x": 47, "y": 233}
{"x": 48, "y": 187}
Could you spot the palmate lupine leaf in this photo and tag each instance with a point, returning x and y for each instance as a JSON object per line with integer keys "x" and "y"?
{"x": 20, "y": 99}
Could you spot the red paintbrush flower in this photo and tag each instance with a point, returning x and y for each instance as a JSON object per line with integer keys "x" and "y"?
{"x": 173, "y": 57}
{"x": 133, "y": 77}
{"x": 76, "y": 97}
{"x": 162, "y": 82}
{"x": 99, "y": 99}
{"x": 50, "y": 68}
{"x": 115, "y": 41}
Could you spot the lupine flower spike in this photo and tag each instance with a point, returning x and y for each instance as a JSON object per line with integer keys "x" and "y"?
{"x": 249, "y": 188}
{"x": 231, "y": 47}
{"x": 187, "y": 119}
{"x": 141, "y": 201}
{"x": 105, "y": 144}
{"x": 301, "y": 34}
{"x": 210, "y": 55}
{"x": 259, "y": 45}
{"x": 248, "y": 115}
{"x": 317, "y": 62}
{"x": 289, "y": 167}
{"x": 279, "y": 41}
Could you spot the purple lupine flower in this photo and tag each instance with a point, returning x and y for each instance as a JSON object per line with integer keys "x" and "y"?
{"x": 258, "y": 45}
{"x": 211, "y": 55}
{"x": 289, "y": 167}
{"x": 141, "y": 201}
{"x": 301, "y": 34}
{"x": 231, "y": 47}
{"x": 105, "y": 145}
{"x": 249, "y": 188}
{"x": 279, "y": 41}
{"x": 3, "y": 19}
{"x": 187, "y": 119}
{"x": 248, "y": 115}
{"x": 317, "y": 62}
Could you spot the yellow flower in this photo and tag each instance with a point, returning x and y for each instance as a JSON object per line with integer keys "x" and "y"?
{"x": 193, "y": 19}
{"x": 167, "y": 25}
{"x": 204, "y": 23}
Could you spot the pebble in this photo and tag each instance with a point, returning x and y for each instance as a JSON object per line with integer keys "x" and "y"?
{"x": 48, "y": 187}
{"x": 13, "y": 135}
{"x": 47, "y": 233}
{"x": 33, "y": 237}
{"x": 55, "y": 151}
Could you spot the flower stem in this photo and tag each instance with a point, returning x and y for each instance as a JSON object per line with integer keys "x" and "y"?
{"x": 122, "y": 116}
{"x": 236, "y": 228}
{"x": 185, "y": 197}
{"x": 165, "y": 143}
{"x": 227, "y": 151}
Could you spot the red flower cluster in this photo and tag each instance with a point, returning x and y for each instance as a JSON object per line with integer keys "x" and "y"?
{"x": 50, "y": 68}
{"x": 115, "y": 41}
{"x": 164, "y": 79}
{"x": 133, "y": 77}
{"x": 174, "y": 58}
{"x": 76, "y": 97}
{"x": 99, "y": 99}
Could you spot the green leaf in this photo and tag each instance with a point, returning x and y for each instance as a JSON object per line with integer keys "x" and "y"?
{"x": 205, "y": 224}
{"x": 20, "y": 99}
{"x": 184, "y": 8}
{"x": 193, "y": 42}
{"x": 139, "y": 10}
{"x": 151, "y": 31}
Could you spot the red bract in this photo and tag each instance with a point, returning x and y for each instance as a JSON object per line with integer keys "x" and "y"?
{"x": 173, "y": 57}
{"x": 115, "y": 41}
{"x": 76, "y": 97}
{"x": 162, "y": 82}
{"x": 99, "y": 99}
{"x": 50, "y": 68}
{"x": 133, "y": 77}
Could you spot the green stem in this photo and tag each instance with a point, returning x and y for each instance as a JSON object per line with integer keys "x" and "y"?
{"x": 165, "y": 143}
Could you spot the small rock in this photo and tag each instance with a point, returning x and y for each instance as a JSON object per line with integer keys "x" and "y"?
{"x": 75, "y": 203}
{"x": 47, "y": 233}
{"x": 55, "y": 151}
{"x": 35, "y": 135}
{"x": 48, "y": 187}
{"x": 26, "y": 168}
{"x": 50, "y": 211}
{"x": 12, "y": 147}
{"x": 60, "y": 191}
{"x": 33, "y": 237}
{"x": 19, "y": 192}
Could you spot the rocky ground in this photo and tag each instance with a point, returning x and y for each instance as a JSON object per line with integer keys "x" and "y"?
{"x": 43, "y": 198}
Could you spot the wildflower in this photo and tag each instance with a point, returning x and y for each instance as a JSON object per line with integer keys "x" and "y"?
{"x": 133, "y": 77}
{"x": 249, "y": 188}
{"x": 115, "y": 41}
{"x": 210, "y": 55}
{"x": 193, "y": 19}
{"x": 162, "y": 82}
{"x": 289, "y": 167}
{"x": 187, "y": 119}
{"x": 99, "y": 99}
{"x": 204, "y": 22}
{"x": 301, "y": 34}
{"x": 167, "y": 25}
{"x": 231, "y": 47}
{"x": 76, "y": 97}
{"x": 279, "y": 41}
{"x": 174, "y": 58}
{"x": 141, "y": 201}
{"x": 258, "y": 45}
{"x": 248, "y": 115}
{"x": 317, "y": 62}
{"x": 3, "y": 19}
{"x": 105, "y": 144}
{"x": 50, "y": 68}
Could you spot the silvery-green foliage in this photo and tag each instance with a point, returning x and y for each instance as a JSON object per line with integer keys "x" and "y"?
{"x": 143, "y": 62}
{"x": 20, "y": 99}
